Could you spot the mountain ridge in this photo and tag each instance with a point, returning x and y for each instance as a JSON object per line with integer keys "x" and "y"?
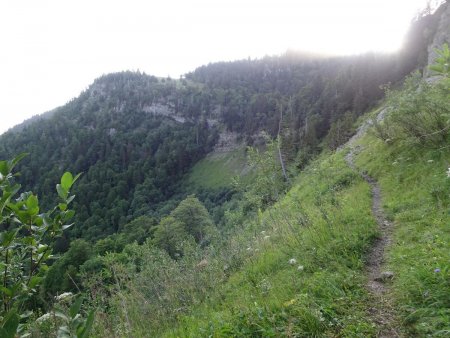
{"x": 316, "y": 97}
{"x": 334, "y": 231}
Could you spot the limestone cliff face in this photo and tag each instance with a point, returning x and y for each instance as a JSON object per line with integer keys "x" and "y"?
{"x": 442, "y": 34}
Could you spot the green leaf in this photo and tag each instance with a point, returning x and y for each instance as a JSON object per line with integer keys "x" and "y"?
{"x": 32, "y": 204}
{"x": 4, "y": 168}
{"x": 42, "y": 248}
{"x": 70, "y": 199}
{"x": 10, "y": 324}
{"x": 69, "y": 214}
{"x": 62, "y": 206}
{"x": 76, "y": 306}
{"x": 76, "y": 178}
{"x": 61, "y": 191}
{"x": 88, "y": 325}
{"x": 39, "y": 220}
{"x": 6, "y": 291}
{"x": 6, "y": 237}
{"x": 34, "y": 281}
{"x": 66, "y": 180}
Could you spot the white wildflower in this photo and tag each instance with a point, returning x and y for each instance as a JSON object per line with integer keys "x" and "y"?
{"x": 292, "y": 261}
{"x": 300, "y": 268}
{"x": 43, "y": 318}
{"x": 448, "y": 172}
{"x": 64, "y": 296}
{"x": 266, "y": 237}
{"x": 430, "y": 161}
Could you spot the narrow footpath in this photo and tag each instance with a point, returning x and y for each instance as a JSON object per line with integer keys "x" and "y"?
{"x": 381, "y": 309}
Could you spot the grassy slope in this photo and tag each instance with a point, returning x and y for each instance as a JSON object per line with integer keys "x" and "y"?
{"x": 416, "y": 196}
{"x": 325, "y": 223}
{"x": 218, "y": 169}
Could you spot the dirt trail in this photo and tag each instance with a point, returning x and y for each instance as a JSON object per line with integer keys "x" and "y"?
{"x": 381, "y": 310}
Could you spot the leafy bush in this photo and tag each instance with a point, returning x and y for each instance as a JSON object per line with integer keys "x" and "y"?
{"x": 25, "y": 247}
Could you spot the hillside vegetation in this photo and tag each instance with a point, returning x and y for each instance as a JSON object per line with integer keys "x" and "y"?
{"x": 135, "y": 136}
{"x": 218, "y": 169}
{"x": 299, "y": 268}
{"x": 289, "y": 228}
{"x": 304, "y": 274}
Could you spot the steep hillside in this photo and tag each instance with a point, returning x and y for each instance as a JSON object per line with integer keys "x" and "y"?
{"x": 359, "y": 246}
{"x": 135, "y": 136}
{"x": 305, "y": 269}
{"x": 132, "y": 158}
{"x": 319, "y": 235}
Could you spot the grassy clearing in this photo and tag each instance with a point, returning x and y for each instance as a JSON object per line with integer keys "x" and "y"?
{"x": 325, "y": 225}
{"x": 416, "y": 196}
{"x": 218, "y": 169}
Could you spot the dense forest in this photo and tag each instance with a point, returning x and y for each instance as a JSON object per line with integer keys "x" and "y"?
{"x": 140, "y": 232}
{"x": 131, "y": 160}
{"x": 134, "y": 136}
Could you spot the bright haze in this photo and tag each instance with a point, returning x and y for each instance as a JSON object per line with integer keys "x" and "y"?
{"x": 51, "y": 50}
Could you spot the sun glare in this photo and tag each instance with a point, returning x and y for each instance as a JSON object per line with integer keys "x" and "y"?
{"x": 325, "y": 26}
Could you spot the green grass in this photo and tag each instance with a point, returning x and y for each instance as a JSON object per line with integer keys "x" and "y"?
{"x": 325, "y": 224}
{"x": 416, "y": 196}
{"x": 218, "y": 169}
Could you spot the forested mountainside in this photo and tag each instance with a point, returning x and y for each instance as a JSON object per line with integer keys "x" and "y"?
{"x": 291, "y": 249}
{"x": 134, "y": 136}
{"x": 131, "y": 160}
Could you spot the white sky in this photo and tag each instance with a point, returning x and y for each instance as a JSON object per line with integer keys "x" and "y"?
{"x": 50, "y": 50}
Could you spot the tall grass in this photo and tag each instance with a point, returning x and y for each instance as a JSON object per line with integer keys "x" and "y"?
{"x": 413, "y": 170}
{"x": 416, "y": 193}
{"x": 325, "y": 226}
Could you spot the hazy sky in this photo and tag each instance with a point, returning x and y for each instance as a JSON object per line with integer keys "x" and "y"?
{"x": 50, "y": 50}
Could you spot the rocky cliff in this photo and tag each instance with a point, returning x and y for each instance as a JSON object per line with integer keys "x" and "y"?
{"x": 442, "y": 34}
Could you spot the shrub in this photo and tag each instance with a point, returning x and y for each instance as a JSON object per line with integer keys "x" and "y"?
{"x": 25, "y": 248}
{"x": 420, "y": 111}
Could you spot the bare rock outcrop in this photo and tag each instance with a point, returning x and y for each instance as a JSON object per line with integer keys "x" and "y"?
{"x": 442, "y": 34}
